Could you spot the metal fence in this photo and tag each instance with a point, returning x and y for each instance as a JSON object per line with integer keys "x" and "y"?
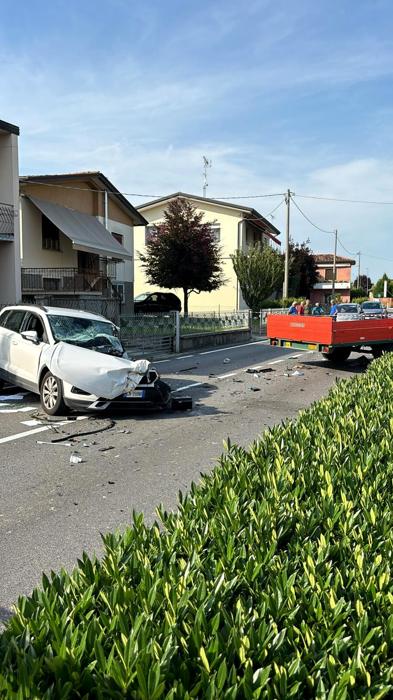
{"x": 214, "y": 323}
{"x": 147, "y": 334}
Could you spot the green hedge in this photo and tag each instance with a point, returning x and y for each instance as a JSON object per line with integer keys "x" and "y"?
{"x": 272, "y": 580}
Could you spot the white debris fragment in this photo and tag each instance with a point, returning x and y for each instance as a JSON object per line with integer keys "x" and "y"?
{"x": 75, "y": 458}
{"x": 227, "y": 359}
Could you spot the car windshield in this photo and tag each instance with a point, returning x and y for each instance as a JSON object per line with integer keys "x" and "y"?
{"x": 141, "y": 297}
{"x": 347, "y": 308}
{"x": 86, "y": 333}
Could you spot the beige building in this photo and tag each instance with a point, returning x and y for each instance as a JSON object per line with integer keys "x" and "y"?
{"x": 10, "y": 290}
{"x": 235, "y": 227}
{"x": 77, "y": 237}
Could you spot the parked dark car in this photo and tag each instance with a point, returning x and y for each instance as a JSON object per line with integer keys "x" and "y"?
{"x": 156, "y": 302}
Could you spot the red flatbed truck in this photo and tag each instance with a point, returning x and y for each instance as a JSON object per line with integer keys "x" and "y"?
{"x": 335, "y": 339}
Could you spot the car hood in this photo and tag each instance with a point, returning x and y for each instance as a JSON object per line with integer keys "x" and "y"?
{"x": 104, "y": 376}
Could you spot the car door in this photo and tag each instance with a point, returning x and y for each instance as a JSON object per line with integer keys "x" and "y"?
{"x": 26, "y": 354}
{"x": 9, "y": 335}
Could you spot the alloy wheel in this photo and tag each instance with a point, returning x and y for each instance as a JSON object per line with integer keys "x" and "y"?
{"x": 50, "y": 392}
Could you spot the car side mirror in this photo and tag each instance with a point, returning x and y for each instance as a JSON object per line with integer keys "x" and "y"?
{"x": 31, "y": 335}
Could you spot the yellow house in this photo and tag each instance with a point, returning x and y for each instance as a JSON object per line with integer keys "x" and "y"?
{"x": 77, "y": 238}
{"x": 235, "y": 227}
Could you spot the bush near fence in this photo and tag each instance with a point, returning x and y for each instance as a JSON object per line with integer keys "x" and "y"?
{"x": 272, "y": 579}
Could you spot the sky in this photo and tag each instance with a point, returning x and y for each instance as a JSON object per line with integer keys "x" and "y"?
{"x": 277, "y": 95}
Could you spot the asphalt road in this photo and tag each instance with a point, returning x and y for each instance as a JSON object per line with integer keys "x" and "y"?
{"x": 51, "y": 510}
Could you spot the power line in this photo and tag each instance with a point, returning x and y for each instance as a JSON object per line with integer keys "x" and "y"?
{"x": 309, "y": 220}
{"x": 338, "y": 199}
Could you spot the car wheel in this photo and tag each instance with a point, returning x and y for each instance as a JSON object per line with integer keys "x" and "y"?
{"x": 51, "y": 394}
{"x": 337, "y": 355}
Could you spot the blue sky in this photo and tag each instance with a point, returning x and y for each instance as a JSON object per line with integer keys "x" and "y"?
{"x": 277, "y": 94}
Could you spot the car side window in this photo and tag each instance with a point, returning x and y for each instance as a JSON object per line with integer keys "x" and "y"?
{"x": 14, "y": 320}
{"x": 35, "y": 323}
{"x": 3, "y": 318}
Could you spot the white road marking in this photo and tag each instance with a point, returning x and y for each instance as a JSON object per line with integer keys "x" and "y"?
{"x": 25, "y": 433}
{"x": 10, "y": 438}
{"x": 188, "y": 386}
{"x": 184, "y": 357}
{"x": 157, "y": 362}
{"x": 224, "y": 376}
{"x": 25, "y": 409}
{"x": 232, "y": 347}
{"x": 275, "y": 362}
{"x": 294, "y": 357}
{"x": 31, "y": 423}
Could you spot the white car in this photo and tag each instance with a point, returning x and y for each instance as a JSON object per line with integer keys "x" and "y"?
{"x": 48, "y": 350}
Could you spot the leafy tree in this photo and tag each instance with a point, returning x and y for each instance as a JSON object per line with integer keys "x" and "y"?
{"x": 303, "y": 271}
{"x": 182, "y": 252}
{"x": 363, "y": 282}
{"x": 379, "y": 285}
{"x": 260, "y": 271}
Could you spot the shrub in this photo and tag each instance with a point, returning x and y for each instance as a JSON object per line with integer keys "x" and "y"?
{"x": 272, "y": 580}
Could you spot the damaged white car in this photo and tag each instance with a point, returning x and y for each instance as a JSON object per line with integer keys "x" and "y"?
{"x": 48, "y": 350}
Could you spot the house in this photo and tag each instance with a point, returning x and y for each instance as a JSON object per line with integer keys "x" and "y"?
{"x": 322, "y": 290}
{"x": 10, "y": 290}
{"x": 235, "y": 226}
{"x": 77, "y": 238}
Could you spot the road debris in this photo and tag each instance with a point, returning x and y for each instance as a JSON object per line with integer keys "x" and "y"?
{"x": 227, "y": 359}
{"x": 255, "y": 388}
{"x": 12, "y": 397}
{"x": 75, "y": 458}
{"x": 105, "y": 449}
{"x": 186, "y": 369}
{"x": 262, "y": 370}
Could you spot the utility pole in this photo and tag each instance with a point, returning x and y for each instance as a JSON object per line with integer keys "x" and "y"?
{"x": 367, "y": 281}
{"x": 358, "y": 284}
{"x": 206, "y": 164}
{"x": 286, "y": 268}
{"x": 334, "y": 264}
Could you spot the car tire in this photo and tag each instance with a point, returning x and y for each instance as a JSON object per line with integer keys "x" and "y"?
{"x": 51, "y": 395}
{"x": 337, "y": 355}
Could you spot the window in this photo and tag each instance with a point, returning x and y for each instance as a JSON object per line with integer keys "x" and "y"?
{"x": 118, "y": 291}
{"x": 329, "y": 275}
{"x": 50, "y": 235}
{"x": 34, "y": 323}
{"x": 14, "y": 320}
{"x": 150, "y": 232}
{"x": 118, "y": 237}
{"x": 216, "y": 232}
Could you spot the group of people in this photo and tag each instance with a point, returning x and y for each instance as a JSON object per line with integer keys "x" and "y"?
{"x": 300, "y": 309}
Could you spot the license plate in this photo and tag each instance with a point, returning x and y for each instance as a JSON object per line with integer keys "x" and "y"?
{"x": 135, "y": 394}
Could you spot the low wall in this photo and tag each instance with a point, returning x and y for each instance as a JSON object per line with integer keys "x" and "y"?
{"x": 204, "y": 340}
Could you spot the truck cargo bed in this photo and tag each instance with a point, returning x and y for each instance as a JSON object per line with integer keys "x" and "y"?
{"x": 325, "y": 331}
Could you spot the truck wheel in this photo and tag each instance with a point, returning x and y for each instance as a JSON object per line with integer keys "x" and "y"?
{"x": 337, "y": 355}
{"x": 51, "y": 394}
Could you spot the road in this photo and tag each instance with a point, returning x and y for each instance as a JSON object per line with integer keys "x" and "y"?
{"x": 51, "y": 510}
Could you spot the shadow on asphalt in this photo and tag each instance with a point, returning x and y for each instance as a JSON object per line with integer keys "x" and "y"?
{"x": 357, "y": 365}
{"x": 5, "y": 614}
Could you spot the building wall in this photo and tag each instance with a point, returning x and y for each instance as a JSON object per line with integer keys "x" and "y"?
{"x": 10, "y": 278}
{"x": 79, "y": 194}
{"x": 124, "y": 270}
{"x": 32, "y": 252}
{"x": 223, "y": 299}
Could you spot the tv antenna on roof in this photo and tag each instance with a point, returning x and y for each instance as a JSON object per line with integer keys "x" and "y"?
{"x": 206, "y": 164}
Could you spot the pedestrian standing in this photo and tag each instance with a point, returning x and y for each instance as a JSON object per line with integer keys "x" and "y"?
{"x": 300, "y": 308}
{"x": 317, "y": 309}
{"x": 333, "y": 308}
{"x": 293, "y": 309}
{"x": 307, "y": 308}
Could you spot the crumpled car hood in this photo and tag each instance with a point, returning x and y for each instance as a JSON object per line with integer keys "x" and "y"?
{"x": 104, "y": 376}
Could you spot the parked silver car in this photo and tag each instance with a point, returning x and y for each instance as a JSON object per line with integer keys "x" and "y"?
{"x": 373, "y": 308}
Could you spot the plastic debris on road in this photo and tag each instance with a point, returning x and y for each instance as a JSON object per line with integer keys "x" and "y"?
{"x": 227, "y": 359}
{"x": 75, "y": 458}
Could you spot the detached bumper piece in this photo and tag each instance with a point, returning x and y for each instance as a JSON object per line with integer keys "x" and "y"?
{"x": 181, "y": 403}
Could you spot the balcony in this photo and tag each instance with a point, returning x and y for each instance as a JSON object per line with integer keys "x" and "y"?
{"x": 63, "y": 280}
{"x": 7, "y": 222}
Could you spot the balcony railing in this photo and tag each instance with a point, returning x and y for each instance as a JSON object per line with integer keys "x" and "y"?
{"x": 7, "y": 222}
{"x": 63, "y": 280}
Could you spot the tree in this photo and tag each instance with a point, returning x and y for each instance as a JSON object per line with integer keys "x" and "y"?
{"x": 182, "y": 252}
{"x": 260, "y": 272}
{"x": 379, "y": 286}
{"x": 363, "y": 282}
{"x": 303, "y": 270}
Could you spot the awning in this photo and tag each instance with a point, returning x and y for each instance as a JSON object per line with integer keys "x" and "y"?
{"x": 85, "y": 231}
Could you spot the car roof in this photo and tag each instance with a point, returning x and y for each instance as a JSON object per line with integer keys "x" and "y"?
{"x": 56, "y": 311}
